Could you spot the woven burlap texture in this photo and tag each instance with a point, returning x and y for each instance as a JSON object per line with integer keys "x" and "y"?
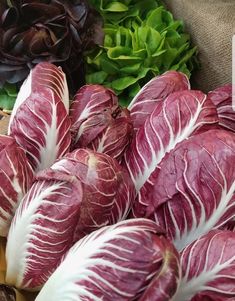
{"x": 4, "y": 120}
{"x": 211, "y": 24}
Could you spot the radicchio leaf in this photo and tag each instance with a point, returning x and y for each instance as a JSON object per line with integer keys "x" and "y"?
{"x": 117, "y": 136}
{"x": 16, "y": 176}
{"x": 98, "y": 122}
{"x": 154, "y": 92}
{"x": 113, "y": 263}
{"x": 42, "y": 230}
{"x": 89, "y": 100}
{"x": 108, "y": 191}
{"x": 208, "y": 269}
{"x": 230, "y": 225}
{"x": 194, "y": 189}
{"x": 181, "y": 115}
{"x": 166, "y": 282}
{"x": 222, "y": 99}
{"x": 86, "y": 123}
{"x": 40, "y": 122}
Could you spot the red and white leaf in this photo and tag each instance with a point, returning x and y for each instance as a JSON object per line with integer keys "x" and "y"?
{"x": 98, "y": 123}
{"x": 194, "y": 189}
{"x": 117, "y": 136}
{"x": 40, "y": 123}
{"x": 166, "y": 282}
{"x": 89, "y": 100}
{"x": 208, "y": 269}
{"x": 154, "y": 92}
{"x": 181, "y": 115}
{"x": 23, "y": 94}
{"x": 113, "y": 263}
{"x": 16, "y": 176}
{"x": 222, "y": 99}
{"x": 108, "y": 192}
{"x": 42, "y": 230}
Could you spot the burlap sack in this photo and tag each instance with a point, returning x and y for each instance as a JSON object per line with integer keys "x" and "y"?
{"x": 211, "y": 24}
{"x": 4, "y": 120}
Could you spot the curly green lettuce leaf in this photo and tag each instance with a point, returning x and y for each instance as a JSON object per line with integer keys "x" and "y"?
{"x": 116, "y": 12}
{"x": 135, "y": 49}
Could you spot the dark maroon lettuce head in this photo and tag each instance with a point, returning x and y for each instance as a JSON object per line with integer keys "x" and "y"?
{"x": 194, "y": 188}
{"x": 117, "y": 263}
{"x": 56, "y": 31}
{"x": 108, "y": 192}
{"x": 80, "y": 193}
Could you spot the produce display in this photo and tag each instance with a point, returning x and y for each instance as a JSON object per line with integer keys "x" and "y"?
{"x": 119, "y": 44}
{"x": 103, "y": 202}
{"x": 117, "y": 178}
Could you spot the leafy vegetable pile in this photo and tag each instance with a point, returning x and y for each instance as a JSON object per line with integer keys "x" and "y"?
{"x": 99, "y": 202}
{"x": 142, "y": 40}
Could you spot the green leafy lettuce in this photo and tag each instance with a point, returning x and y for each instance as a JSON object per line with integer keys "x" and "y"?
{"x": 8, "y": 96}
{"x": 142, "y": 40}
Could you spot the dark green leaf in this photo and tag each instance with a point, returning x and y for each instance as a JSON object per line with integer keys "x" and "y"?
{"x": 124, "y": 100}
{"x": 131, "y": 68}
{"x": 7, "y": 102}
{"x": 134, "y": 89}
{"x": 108, "y": 66}
{"x": 154, "y": 40}
{"x": 123, "y": 83}
{"x": 8, "y": 96}
{"x": 96, "y": 77}
{"x": 188, "y": 55}
{"x": 11, "y": 90}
